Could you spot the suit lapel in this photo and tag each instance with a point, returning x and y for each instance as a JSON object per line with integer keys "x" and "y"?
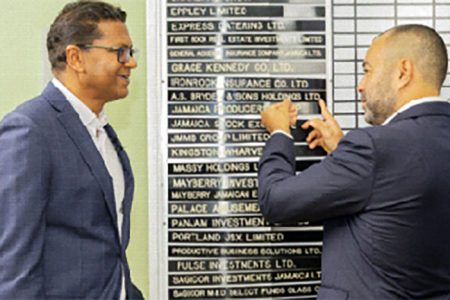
{"x": 129, "y": 183}
{"x": 71, "y": 122}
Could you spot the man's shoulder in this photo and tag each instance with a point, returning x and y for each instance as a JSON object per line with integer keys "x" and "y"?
{"x": 36, "y": 110}
{"x": 359, "y": 134}
{"x": 32, "y": 106}
{"x": 42, "y": 104}
{"x": 374, "y": 136}
{"x": 399, "y": 137}
{"x": 39, "y": 106}
{"x": 385, "y": 131}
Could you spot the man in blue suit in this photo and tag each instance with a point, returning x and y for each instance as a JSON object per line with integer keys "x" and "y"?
{"x": 66, "y": 184}
{"x": 382, "y": 192}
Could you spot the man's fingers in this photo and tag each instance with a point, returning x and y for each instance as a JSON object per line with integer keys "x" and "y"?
{"x": 305, "y": 125}
{"x": 276, "y": 105}
{"x": 263, "y": 117}
{"x": 317, "y": 124}
{"x": 293, "y": 120}
{"x": 324, "y": 111}
{"x": 293, "y": 109}
{"x": 310, "y": 123}
{"x": 313, "y": 135}
{"x": 267, "y": 113}
{"x": 286, "y": 104}
{"x": 277, "y": 117}
{"x": 315, "y": 143}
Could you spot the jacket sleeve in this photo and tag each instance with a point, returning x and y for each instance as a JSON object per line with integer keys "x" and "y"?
{"x": 23, "y": 177}
{"x": 341, "y": 184}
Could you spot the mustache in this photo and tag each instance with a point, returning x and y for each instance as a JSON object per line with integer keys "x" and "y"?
{"x": 362, "y": 96}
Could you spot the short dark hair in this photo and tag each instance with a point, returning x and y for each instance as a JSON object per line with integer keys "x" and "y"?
{"x": 77, "y": 24}
{"x": 427, "y": 48}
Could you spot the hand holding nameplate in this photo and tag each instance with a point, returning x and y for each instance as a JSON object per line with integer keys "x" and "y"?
{"x": 279, "y": 116}
{"x": 326, "y": 133}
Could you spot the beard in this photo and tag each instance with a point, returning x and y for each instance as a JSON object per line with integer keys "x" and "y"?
{"x": 380, "y": 104}
{"x": 379, "y": 110}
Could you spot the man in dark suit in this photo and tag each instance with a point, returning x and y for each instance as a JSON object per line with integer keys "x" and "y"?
{"x": 382, "y": 192}
{"x": 66, "y": 184}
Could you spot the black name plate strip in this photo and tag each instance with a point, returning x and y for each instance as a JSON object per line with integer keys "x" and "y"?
{"x": 231, "y": 82}
{"x": 244, "y": 67}
{"x": 213, "y": 109}
{"x": 198, "y": 95}
{"x": 193, "y": 138}
{"x": 197, "y": 265}
{"x": 309, "y": 95}
{"x": 247, "y": 53}
{"x": 243, "y": 95}
{"x": 247, "y": 278}
{"x": 231, "y": 237}
{"x": 194, "y": 109}
{"x": 214, "y": 123}
{"x": 245, "y": 251}
{"x": 212, "y": 168}
{"x": 245, "y": 25}
{"x": 218, "y": 222}
{"x": 225, "y": 168}
{"x": 214, "y": 207}
{"x": 255, "y": 292}
{"x": 237, "y": 11}
{"x": 234, "y": 152}
{"x": 194, "y": 152}
{"x": 222, "y": 222}
{"x": 192, "y": 123}
{"x": 213, "y": 182}
{"x": 218, "y": 195}
{"x": 242, "y": 11}
{"x": 203, "y": 82}
{"x": 282, "y": 38}
{"x": 210, "y": 137}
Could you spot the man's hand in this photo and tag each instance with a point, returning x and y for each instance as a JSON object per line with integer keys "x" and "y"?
{"x": 326, "y": 133}
{"x": 280, "y": 116}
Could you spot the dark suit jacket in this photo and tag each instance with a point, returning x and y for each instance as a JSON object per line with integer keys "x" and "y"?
{"x": 58, "y": 222}
{"x": 384, "y": 196}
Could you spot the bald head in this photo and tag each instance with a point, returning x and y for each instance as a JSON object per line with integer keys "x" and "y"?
{"x": 423, "y": 46}
{"x": 403, "y": 64}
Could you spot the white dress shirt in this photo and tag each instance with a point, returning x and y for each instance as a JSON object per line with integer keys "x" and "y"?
{"x": 94, "y": 125}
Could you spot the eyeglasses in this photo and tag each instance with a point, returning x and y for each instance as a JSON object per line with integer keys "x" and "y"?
{"x": 124, "y": 54}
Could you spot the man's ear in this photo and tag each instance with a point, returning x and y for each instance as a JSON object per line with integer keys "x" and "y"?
{"x": 404, "y": 73}
{"x": 74, "y": 58}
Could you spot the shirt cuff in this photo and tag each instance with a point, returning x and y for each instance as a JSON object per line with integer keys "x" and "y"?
{"x": 282, "y": 132}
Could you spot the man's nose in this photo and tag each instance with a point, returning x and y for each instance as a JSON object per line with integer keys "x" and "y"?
{"x": 360, "y": 86}
{"x": 132, "y": 63}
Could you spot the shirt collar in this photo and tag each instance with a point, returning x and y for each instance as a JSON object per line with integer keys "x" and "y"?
{"x": 414, "y": 103}
{"x": 87, "y": 116}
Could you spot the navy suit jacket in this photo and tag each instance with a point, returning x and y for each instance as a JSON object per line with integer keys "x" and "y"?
{"x": 58, "y": 221}
{"x": 384, "y": 196}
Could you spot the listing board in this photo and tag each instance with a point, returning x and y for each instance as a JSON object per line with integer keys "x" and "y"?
{"x": 227, "y": 60}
